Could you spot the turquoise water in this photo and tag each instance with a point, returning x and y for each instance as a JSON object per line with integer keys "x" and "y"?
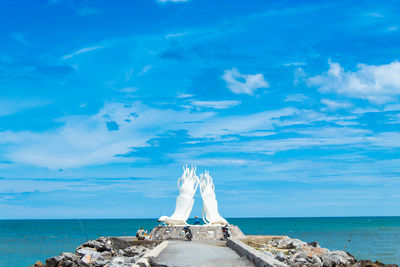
{"x": 22, "y": 242}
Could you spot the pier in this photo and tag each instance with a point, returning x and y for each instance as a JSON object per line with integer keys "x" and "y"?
{"x": 200, "y": 253}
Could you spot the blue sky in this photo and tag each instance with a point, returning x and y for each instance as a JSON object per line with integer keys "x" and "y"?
{"x": 293, "y": 106}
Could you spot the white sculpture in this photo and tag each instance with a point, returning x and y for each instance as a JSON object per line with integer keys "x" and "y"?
{"x": 210, "y": 205}
{"x": 187, "y": 185}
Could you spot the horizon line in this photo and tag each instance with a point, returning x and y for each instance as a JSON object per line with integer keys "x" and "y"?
{"x": 282, "y": 217}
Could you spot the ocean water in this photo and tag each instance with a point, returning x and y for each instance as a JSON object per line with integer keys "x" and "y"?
{"x": 23, "y": 242}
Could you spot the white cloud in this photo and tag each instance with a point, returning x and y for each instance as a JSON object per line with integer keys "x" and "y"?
{"x": 12, "y": 106}
{"x": 238, "y": 124}
{"x": 183, "y": 95}
{"x": 258, "y": 133}
{"x": 175, "y": 35}
{"x": 85, "y": 140}
{"x": 364, "y": 110}
{"x": 378, "y": 84}
{"x": 213, "y": 161}
{"x": 299, "y": 76}
{"x": 308, "y": 138}
{"x": 392, "y": 107}
{"x": 128, "y": 89}
{"x": 295, "y": 63}
{"x": 393, "y": 119}
{"x": 145, "y": 69}
{"x": 386, "y": 139}
{"x": 216, "y": 104}
{"x": 296, "y": 98}
{"x": 82, "y": 51}
{"x": 244, "y": 83}
{"x": 333, "y": 105}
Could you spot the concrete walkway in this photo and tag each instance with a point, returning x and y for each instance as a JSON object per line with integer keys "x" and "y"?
{"x": 200, "y": 253}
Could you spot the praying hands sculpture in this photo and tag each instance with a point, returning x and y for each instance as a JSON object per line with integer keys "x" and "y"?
{"x": 210, "y": 204}
{"x": 187, "y": 185}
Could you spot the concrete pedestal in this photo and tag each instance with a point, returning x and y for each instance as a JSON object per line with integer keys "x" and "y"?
{"x": 200, "y": 232}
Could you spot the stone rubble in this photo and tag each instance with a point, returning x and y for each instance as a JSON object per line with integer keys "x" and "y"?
{"x": 297, "y": 253}
{"x": 289, "y": 251}
{"x": 96, "y": 253}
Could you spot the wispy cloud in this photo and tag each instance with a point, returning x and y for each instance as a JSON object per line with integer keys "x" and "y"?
{"x": 175, "y": 35}
{"x": 239, "y": 83}
{"x": 88, "y": 140}
{"x": 82, "y": 51}
{"x": 216, "y": 104}
{"x": 128, "y": 89}
{"x": 295, "y": 64}
{"x": 183, "y": 95}
{"x": 375, "y": 83}
{"x": 296, "y": 98}
{"x": 334, "y": 105}
{"x": 392, "y": 107}
{"x": 12, "y": 106}
{"x": 145, "y": 69}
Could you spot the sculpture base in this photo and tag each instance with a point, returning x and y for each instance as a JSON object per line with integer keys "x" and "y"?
{"x": 200, "y": 232}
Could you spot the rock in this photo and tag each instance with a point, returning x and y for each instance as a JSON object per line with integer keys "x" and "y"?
{"x": 53, "y": 262}
{"x": 280, "y": 256}
{"x": 67, "y": 263}
{"x": 38, "y": 264}
{"x": 86, "y": 260}
{"x": 122, "y": 261}
{"x": 330, "y": 260}
{"x": 101, "y": 259}
{"x": 99, "y": 246}
{"x": 301, "y": 260}
{"x": 369, "y": 263}
{"x": 313, "y": 244}
{"x": 287, "y": 243}
{"x": 302, "y": 254}
{"x": 86, "y": 250}
{"x": 316, "y": 260}
{"x": 69, "y": 256}
{"x": 134, "y": 251}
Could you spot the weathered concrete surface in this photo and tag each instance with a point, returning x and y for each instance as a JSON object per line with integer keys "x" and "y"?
{"x": 200, "y": 253}
{"x": 258, "y": 258}
{"x": 149, "y": 256}
{"x": 122, "y": 242}
{"x": 200, "y": 232}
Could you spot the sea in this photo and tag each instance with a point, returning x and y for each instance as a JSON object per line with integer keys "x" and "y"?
{"x": 23, "y": 242}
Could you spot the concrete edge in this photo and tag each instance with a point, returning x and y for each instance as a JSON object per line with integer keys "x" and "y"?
{"x": 258, "y": 258}
{"x": 146, "y": 259}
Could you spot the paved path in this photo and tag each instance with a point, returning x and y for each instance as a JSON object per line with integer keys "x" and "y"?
{"x": 200, "y": 253}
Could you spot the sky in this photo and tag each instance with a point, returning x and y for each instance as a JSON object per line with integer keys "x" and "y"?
{"x": 293, "y": 107}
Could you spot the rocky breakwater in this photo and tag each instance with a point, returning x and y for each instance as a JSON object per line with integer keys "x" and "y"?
{"x": 294, "y": 252}
{"x": 105, "y": 251}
